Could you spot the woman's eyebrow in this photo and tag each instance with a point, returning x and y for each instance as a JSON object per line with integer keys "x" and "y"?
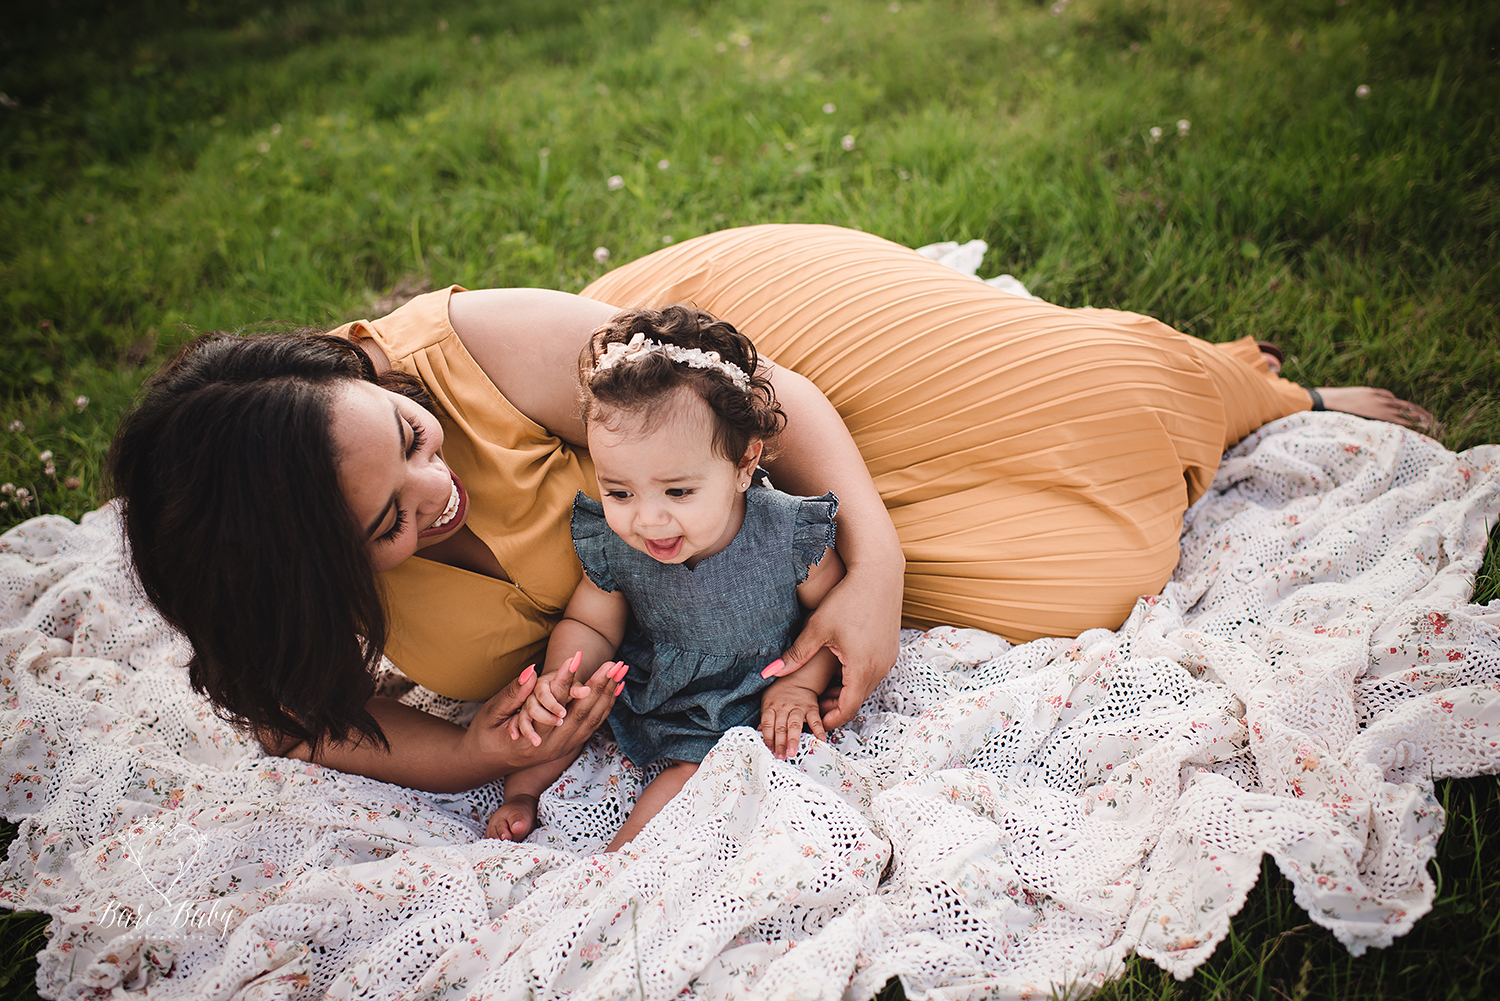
{"x": 401, "y": 448}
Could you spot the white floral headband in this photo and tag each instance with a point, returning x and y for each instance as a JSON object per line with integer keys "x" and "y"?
{"x": 618, "y": 354}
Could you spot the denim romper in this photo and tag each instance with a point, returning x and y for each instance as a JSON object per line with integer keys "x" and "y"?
{"x": 698, "y": 638}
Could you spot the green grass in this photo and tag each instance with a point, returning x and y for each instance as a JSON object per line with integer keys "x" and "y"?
{"x": 171, "y": 168}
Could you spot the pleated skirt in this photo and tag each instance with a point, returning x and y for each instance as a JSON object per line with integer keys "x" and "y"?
{"x": 1036, "y": 460}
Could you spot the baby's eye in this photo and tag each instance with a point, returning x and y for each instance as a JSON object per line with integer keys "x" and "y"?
{"x": 617, "y": 494}
{"x": 678, "y": 491}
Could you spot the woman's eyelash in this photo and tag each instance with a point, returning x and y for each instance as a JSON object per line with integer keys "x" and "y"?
{"x": 418, "y": 436}
{"x": 396, "y": 528}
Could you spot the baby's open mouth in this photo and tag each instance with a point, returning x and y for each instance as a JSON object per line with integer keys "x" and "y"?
{"x": 664, "y": 549}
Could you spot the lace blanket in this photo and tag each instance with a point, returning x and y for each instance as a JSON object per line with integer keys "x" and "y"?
{"x": 1000, "y": 821}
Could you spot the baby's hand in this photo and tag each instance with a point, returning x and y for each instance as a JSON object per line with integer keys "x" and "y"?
{"x": 513, "y": 820}
{"x": 785, "y": 708}
{"x": 547, "y": 704}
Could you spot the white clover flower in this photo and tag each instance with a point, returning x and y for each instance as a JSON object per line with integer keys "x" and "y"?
{"x": 16, "y": 427}
{"x": 72, "y": 483}
{"x": 666, "y": 239}
{"x": 49, "y": 470}
{"x": 663, "y": 164}
{"x": 81, "y": 403}
{"x": 615, "y": 183}
{"x": 276, "y": 129}
{"x": 601, "y": 254}
{"x": 894, "y": 7}
{"x": 1362, "y": 91}
{"x": 1155, "y": 133}
{"x": 45, "y": 456}
{"x": 1184, "y": 126}
{"x": 721, "y": 47}
{"x": 8, "y": 489}
{"x": 830, "y": 108}
{"x": 602, "y": 89}
{"x": 847, "y": 142}
{"x": 23, "y": 497}
{"x": 443, "y": 24}
{"x": 264, "y": 148}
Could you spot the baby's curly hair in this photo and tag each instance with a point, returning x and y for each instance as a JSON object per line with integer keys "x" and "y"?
{"x": 644, "y": 383}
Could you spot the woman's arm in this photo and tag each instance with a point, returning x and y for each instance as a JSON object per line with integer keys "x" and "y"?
{"x": 438, "y": 756}
{"x": 860, "y": 618}
{"x": 528, "y": 342}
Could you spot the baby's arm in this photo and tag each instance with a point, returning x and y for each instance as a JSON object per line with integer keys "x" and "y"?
{"x": 593, "y": 625}
{"x": 821, "y": 577}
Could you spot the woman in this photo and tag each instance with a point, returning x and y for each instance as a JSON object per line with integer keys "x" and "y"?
{"x": 1028, "y": 466}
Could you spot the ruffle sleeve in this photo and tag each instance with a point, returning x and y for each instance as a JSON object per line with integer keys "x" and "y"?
{"x": 590, "y": 535}
{"x": 812, "y": 531}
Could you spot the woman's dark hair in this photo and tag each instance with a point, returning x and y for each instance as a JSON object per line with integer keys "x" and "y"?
{"x": 241, "y": 536}
{"x": 647, "y": 380}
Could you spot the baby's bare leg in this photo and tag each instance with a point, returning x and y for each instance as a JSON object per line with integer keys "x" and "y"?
{"x": 655, "y": 796}
{"x": 516, "y": 817}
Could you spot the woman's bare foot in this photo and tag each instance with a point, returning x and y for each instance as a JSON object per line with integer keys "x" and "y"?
{"x": 513, "y": 819}
{"x": 1377, "y": 404}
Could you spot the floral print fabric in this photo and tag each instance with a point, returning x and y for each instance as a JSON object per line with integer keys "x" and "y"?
{"x": 999, "y": 821}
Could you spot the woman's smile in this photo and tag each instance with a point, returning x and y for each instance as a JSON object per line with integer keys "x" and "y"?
{"x": 401, "y": 492}
{"x": 453, "y": 515}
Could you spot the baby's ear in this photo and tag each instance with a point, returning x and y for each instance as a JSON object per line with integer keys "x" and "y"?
{"x": 751, "y": 458}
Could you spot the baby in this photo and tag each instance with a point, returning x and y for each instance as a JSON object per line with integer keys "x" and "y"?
{"x": 695, "y": 570}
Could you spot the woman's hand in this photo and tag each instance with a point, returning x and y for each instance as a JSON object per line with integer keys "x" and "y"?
{"x": 860, "y": 621}
{"x": 489, "y": 739}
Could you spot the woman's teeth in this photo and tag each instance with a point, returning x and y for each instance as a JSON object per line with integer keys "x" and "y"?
{"x": 449, "y": 511}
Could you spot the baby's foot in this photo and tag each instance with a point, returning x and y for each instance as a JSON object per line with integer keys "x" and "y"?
{"x": 1378, "y": 404}
{"x": 513, "y": 820}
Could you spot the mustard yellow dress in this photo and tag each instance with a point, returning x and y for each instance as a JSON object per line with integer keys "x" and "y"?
{"x": 464, "y": 634}
{"x": 1036, "y": 459}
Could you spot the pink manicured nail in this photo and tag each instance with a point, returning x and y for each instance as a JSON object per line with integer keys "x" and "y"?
{"x": 618, "y": 672}
{"x": 619, "y": 688}
{"x": 772, "y": 668}
{"x": 528, "y": 674}
{"x": 577, "y": 659}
